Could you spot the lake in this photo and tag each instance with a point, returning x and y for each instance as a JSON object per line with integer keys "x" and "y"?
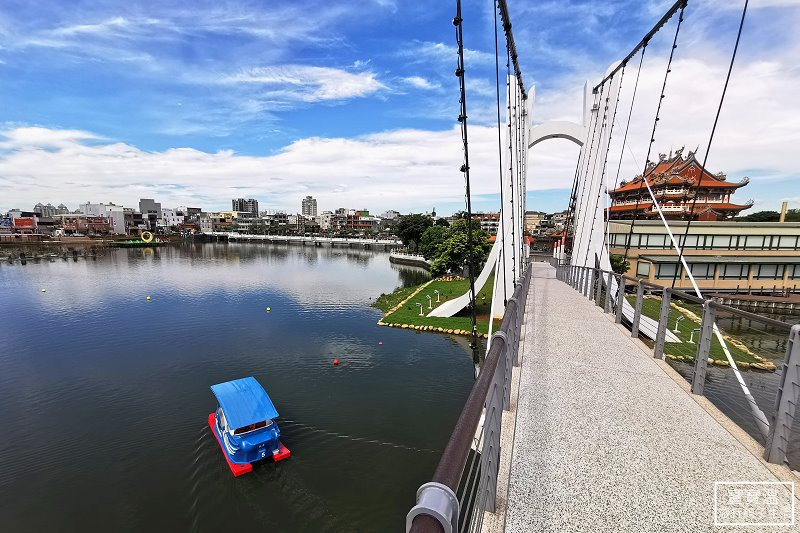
{"x": 105, "y": 395}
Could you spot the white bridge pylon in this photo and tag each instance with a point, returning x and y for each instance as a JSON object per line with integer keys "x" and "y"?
{"x": 589, "y": 247}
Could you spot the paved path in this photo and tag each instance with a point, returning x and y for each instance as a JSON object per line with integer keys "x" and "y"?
{"x": 605, "y": 439}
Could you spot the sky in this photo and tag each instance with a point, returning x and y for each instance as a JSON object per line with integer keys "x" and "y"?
{"x": 354, "y": 103}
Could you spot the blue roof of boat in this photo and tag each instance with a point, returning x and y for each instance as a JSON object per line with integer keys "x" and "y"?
{"x": 244, "y": 401}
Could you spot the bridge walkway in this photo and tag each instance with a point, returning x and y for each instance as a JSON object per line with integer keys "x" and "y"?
{"x": 607, "y": 438}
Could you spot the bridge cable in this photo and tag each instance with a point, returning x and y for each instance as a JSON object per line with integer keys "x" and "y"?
{"x": 573, "y": 199}
{"x": 499, "y": 153}
{"x": 760, "y": 418}
{"x": 708, "y": 148}
{"x": 462, "y": 118}
{"x": 590, "y": 179}
{"x": 511, "y": 171}
{"x": 580, "y": 211}
{"x": 603, "y": 179}
{"x": 653, "y": 134}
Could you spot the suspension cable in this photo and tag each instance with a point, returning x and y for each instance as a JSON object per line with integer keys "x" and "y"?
{"x": 511, "y": 171}
{"x": 462, "y": 118}
{"x": 573, "y": 199}
{"x": 580, "y": 211}
{"x": 605, "y": 159}
{"x": 708, "y": 148}
{"x": 653, "y": 134}
{"x": 500, "y": 153}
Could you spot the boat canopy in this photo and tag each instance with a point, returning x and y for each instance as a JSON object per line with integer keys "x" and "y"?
{"x": 244, "y": 402}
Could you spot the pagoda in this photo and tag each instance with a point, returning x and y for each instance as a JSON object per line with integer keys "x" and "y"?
{"x": 674, "y": 181}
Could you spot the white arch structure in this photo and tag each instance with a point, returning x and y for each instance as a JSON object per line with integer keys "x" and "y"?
{"x": 589, "y": 246}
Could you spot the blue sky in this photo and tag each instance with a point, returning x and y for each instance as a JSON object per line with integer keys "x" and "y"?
{"x": 354, "y": 102}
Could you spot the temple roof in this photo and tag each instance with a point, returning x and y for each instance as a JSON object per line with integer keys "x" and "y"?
{"x": 677, "y": 170}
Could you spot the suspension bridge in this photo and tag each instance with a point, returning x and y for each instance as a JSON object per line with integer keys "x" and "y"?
{"x": 578, "y": 419}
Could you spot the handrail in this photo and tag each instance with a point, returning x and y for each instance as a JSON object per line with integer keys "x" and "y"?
{"x": 450, "y": 471}
{"x": 785, "y": 326}
{"x": 686, "y": 296}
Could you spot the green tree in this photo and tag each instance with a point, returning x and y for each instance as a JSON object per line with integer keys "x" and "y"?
{"x": 442, "y": 222}
{"x": 432, "y": 240}
{"x": 619, "y": 264}
{"x": 453, "y": 253}
{"x": 411, "y": 227}
{"x": 761, "y": 216}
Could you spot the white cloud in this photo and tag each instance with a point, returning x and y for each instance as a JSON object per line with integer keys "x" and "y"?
{"x": 308, "y": 83}
{"x": 426, "y": 52}
{"x": 403, "y": 169}
{"x": 419, "y": 82}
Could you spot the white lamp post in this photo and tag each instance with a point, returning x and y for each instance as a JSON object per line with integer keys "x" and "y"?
{"x": 420, "y": 308}
{"x": 436, "y": 292}
{"x": 680, "y": 317}
{"x": 691, "y": 337}
{"x": 429, "y": 302}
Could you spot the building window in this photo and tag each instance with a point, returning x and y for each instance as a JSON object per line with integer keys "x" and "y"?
{"x": 787, "y": 242}
{"x": 754, "y": 242}
{"x": 702, "y": 270}
{"x": 643, "y": 269}
{"x": 734, "y": 271}
{"x": 796, "y": 274}
{"x": 770, "y": 272}
{"x": 722, "y": 242}
{"x": 666, "y": 270}
{"x": 691, "y": 241}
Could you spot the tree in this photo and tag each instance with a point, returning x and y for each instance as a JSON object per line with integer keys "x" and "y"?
{"x": 431, "y": 241}
{"x": 453, "y": 253}
{"x": 442, "y": 222}
{"x": 760, "y": 216}
{"x": 411, "y": 227}
{"x": 619, "y": 264}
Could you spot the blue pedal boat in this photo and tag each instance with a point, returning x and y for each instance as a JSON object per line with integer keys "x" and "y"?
{"x": 244, "y": 425}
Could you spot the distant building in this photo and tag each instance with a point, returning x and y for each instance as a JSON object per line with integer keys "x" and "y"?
{"x": 532, "y": 221}
{"x": 45, "y": 210}
{"x": 674, "y": 181}
{"x": 62, "y": 209}
{"x": 490, "y": 222}
{"x": 309, "y": 206}
{"x": 171, "y": 218}
{"x": 275, "y": 218}
{"x": 151, "y": 212}
{"x": 115, "y": 214}
{"x": 241, "y": 205}
{"x": 390, "y": 214}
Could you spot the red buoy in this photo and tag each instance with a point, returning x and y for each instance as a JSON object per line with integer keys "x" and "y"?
{"x": 380, "y": 343}
{"x": 335, "y": 362}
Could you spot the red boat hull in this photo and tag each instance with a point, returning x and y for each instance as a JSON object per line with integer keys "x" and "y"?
{"x": 237, "y": 469}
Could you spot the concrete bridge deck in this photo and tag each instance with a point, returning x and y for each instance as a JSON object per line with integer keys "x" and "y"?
{"x": 607, "y": 438}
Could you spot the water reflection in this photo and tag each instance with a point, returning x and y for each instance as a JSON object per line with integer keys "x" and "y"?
{"x": 105, "y": 394}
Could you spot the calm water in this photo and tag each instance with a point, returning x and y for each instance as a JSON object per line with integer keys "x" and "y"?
{"x": 724, "y": 391}
{"x": 105, "y": 395}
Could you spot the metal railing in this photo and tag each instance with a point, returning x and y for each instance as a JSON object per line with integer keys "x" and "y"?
{"x": 464, "y": 485}
{"x": 700, "y": 345}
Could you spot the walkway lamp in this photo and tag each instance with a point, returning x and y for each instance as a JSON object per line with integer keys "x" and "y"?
{"x": 420, "y": 308}
{"x": 436, "y": 292}
{"x": 429, "y": 302}
{"x": 680, "y": 317}
{"x": 691, "y": 337}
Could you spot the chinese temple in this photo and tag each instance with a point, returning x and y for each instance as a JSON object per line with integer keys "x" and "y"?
{"x": 674, "y": 181}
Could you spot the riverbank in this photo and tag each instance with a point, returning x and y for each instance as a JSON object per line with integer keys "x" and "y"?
{"x": 401, "y": 310}
{"x": 684, "y": 321}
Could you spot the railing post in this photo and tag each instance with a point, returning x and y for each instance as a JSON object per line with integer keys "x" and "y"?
{"x": 785, "y": 402}
{"x": 607, "y": 305}
{"x": 703, "y": 348}
{"x": 663, "y": 323}
{"x": 637, "y": 311}
{"x": 599, "y": 289}
{"x": 439, "y": 502}
{"x": 620, "y": 298}
{"x": 586, "y": 277}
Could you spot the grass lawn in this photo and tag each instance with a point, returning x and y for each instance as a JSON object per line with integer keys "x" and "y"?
{"x": 409, "y": 312}
{"x": 651, "y": 307}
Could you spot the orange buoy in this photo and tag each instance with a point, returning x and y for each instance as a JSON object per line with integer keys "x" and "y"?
{"x": 335, "y": 362}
